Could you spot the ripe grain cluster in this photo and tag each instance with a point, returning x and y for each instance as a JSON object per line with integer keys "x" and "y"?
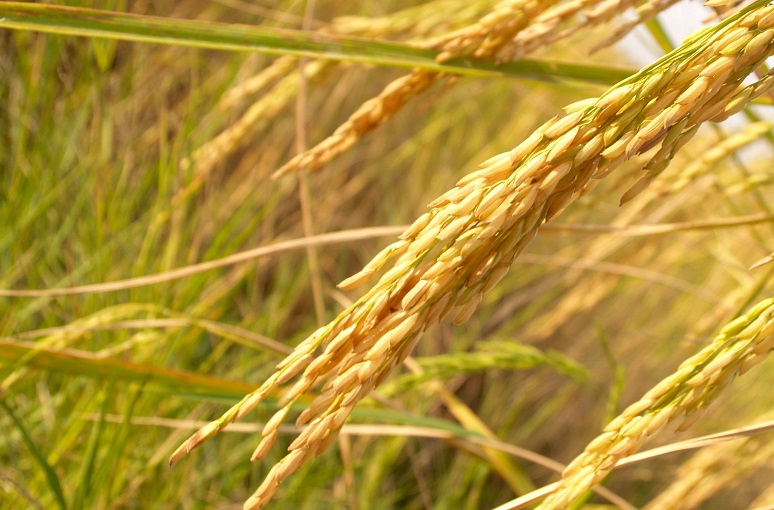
{"x": 513, "y": 30}
{"x": 742, "y": 344}
{"x": 445, "y": 263}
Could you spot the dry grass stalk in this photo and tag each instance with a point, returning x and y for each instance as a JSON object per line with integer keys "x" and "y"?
{"x": 710, "y": 470}
{"x": 742, "y": 344}
{"x": 451, "y": 256}
{"x": 768, "y": 259}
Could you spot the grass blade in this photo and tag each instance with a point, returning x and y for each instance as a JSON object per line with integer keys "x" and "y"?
{"x": 86, "y": 481}
{"x": 51, "y": 476}
{"x": 219, "y": 36}
{"x": 86, "y": 364}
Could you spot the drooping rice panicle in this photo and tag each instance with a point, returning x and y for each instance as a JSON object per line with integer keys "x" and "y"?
{"x": 486, "y": 38}
{"x": 284, "y": 73}
{"x": 742, "y": 344}
{"x": 562, "y": 22}
{"x": 263, "y": 110}
{"x": 445, "y": 263}
{"x": 417, "y": 22}
{"x": 482, "y": 39}
{"x": 512, "y": 31}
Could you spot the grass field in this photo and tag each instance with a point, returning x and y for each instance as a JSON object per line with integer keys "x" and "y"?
{"x": 155, "y": 267}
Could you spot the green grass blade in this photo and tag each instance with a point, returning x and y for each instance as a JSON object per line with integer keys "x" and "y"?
{"x": 492, "y": 355}
{"x": 83, "y": 363}
{"x": 51, "y": 476}
{"x": 220, "y": 36}
{"x": 660, "y": 35}
{"x": 618, "y": 372}
{"x": 85, "y": 482}
{"x": 105, "y": 476}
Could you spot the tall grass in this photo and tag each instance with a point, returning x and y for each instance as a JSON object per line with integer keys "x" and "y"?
{"x": 150, "y": 166}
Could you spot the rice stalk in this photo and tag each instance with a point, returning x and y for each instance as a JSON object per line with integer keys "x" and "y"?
{"x": 742, "y": 344}
{"x": 445, "y": 263}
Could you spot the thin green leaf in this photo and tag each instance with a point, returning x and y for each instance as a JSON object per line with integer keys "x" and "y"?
{"x": 105, "y": 477}
{"x": 656, "y": 29}
{"x": 618, "y": 372}
{"x": 219, "y": 36}
{"x": 85, "y": 482}
{"x": 83, "y": 363}
{"x": 493, "y": 355}
{"x": 51, "y": 476}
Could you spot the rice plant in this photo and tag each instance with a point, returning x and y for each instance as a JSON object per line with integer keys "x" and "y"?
{"x": 195, "y": 195}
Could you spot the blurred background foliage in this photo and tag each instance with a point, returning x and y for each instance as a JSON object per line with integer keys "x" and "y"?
{"x": 100, "y": 182}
